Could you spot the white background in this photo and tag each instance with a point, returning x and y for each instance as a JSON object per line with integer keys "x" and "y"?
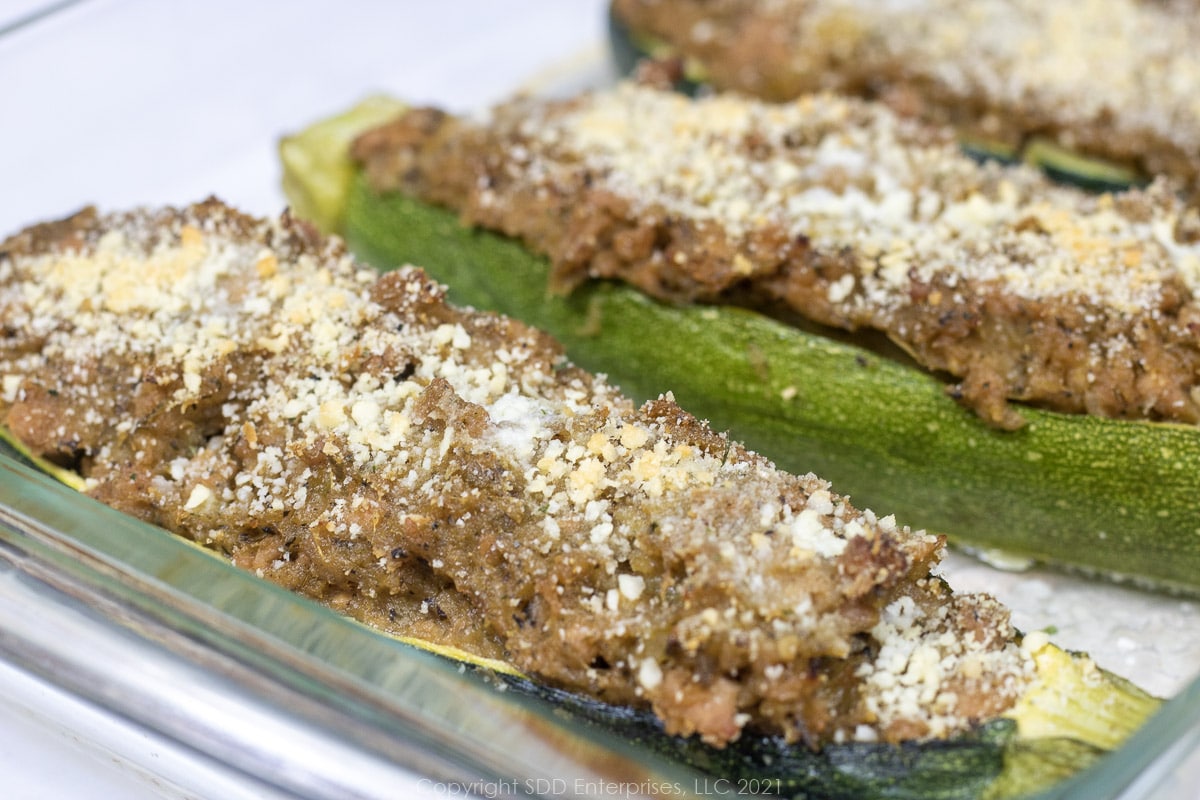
{"x": 140, "y": 102}
{"x": 124, "y": 103}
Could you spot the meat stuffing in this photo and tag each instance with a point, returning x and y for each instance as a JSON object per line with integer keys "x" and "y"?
{"x": 841, "y": 212}
{"x": 446, "y": 474}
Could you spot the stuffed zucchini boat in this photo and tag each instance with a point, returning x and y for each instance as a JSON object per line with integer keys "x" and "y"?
{"x": 1098, "y": 92}
{"x": 1107, "y": 495}
{"x": 446, "y": 476}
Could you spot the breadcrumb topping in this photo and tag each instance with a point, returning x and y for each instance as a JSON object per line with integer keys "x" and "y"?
{"x": 444, "y": 473}
{"x": 840, "y": 172}
{"x": 1042, "y": 53}
{"x": 844, "y": 212}
{"x": 1113, "y": 78}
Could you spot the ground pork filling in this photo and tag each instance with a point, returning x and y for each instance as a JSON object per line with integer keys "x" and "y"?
{"x": 445, "y": 474}
{"x": 1109, "y": 78}
{"x": 843, "y": 213}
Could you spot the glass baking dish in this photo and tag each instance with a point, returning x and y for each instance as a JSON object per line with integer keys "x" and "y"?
{"x": 162, "y": 632}
{"x": 309, "y": 704}
{"x": 278, "y": 692}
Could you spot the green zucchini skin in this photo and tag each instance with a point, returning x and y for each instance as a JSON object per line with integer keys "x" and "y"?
{"x": 967, "y": 767}
{"x": 1114, "y": 497}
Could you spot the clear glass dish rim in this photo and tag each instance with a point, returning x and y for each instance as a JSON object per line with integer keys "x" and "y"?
{"x": 402, "y": 696}
{"x": 398, "y": 690}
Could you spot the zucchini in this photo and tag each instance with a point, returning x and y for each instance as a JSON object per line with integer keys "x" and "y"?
{"x": 1070, "y": 718}
{"x": 1111, "y": 497}
{"x": 1045, "y": 737}
{"x": 1058, "y": 161}
{"x": 1115, "y": 497}
{"x": 744, "y": 377}
{"x": 327, "y": 175}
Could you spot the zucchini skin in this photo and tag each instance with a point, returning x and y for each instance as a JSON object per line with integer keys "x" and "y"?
{"x": 972, "y": 765}
{"x": 1108, "y": 496}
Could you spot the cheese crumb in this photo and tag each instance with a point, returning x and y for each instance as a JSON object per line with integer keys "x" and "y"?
{"x": 200, "y": 495}
{"x": 631, "y": 586}
{"x": 650, "y": 675}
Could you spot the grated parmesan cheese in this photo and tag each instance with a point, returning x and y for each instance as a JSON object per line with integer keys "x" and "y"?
{"x": 396, "y": 460}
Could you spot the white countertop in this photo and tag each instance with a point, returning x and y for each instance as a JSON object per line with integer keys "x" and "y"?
{"x": 141, "y": 102}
